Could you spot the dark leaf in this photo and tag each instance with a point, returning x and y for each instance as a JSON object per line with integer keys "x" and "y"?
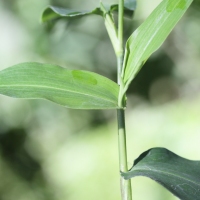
{"x": 179, "y": 175}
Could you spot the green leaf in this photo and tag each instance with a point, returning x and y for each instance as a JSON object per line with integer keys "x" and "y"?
{"x": 179, "y": 175}
{"x": 150, "y": 36}
{"x": 111, "y": 28}
{"x": 53, "y": 12}
{"x": 70, "y": 88}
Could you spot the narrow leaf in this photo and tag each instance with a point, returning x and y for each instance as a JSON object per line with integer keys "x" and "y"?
{"x": 111, "y": 28}
{"x": 53, "y": 12}
{"x": 70, "y": 88}
{"x": 179, "y": 175}
{"x": 150, "y": 35}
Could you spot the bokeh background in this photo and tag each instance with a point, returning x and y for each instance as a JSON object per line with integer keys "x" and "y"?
{"x": 48, "y": 152}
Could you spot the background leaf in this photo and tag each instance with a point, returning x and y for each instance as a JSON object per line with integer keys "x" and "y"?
{"x": 53, "y": 12}
{"x": 150, "y": 35}
{"x": 180, "y": 176}
{"x": 70, "y": 88}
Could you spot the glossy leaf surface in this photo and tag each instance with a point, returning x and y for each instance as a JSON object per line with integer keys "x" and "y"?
{"x": 70, "y": 88}
{"x": 150, "y": 35}
{"x": 179, "y": 175}
{"x": 53, "y": 12}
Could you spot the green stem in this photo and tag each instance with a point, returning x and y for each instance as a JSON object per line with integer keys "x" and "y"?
{"x": 126, "y": 192}
{"x": 120, "y": 54}
{"x": 120, "y": 23}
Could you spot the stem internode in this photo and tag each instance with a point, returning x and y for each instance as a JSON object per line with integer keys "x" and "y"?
{"x": 126, "y": 192}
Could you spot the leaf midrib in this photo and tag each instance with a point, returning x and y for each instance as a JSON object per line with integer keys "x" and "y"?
{"x": 57, "y": 89}
{"x": 164, "y": 172}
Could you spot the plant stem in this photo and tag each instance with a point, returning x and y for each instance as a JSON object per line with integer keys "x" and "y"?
{"x": 120, "y": 54}
{"x": 126, "y": 192}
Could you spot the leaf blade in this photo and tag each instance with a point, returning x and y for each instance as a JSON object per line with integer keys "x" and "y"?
{"x": 70, "y": 88}
{"x": 178, "y": 175}
{"x": 53, "y": 12}
{"x": 150, "y": 35}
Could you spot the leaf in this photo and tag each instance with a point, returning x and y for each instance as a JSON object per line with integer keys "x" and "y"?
{"x": 150, "y": 36}
{"x": 111, "y": 28}
{"x": 70, "y": 88}
{"x": 179, "y": 175}
{"x": 53, "y": 12}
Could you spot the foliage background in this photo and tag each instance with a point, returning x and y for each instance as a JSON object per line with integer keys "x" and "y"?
{"x": 48, "y": 152}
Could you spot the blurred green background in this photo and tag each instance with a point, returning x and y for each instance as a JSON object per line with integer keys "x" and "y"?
{"x": 48, "y": 152}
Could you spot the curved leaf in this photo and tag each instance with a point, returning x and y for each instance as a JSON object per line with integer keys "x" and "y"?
{"x": 150, "y": 36}
{"x": 179, "y": 175}
{"x": 53, "y": 12}
{"x": 70, "y": 88}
